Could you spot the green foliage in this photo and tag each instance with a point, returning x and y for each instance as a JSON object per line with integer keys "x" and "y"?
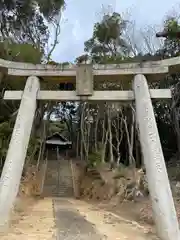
{"x": 83, "y": 58}
{"x": 50, "y": 8}
{"x": 110, "y": 28}
{"x": 172, "y": 25}
{"x": 163, "y": 109}
{"x": 27, "y": 23}
{"x": 94, "y": 159}
{"x": 23, "y": 52}
{"x": 56, "y": 127}
{"x": 107, "y": 42}
{"x": 171, "y": 46}
{"x": 5, "y": 134}
{"x": 33, "y": 147}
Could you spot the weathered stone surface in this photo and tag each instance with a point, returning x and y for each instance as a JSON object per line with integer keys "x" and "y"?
{"x": 13, "y": 167}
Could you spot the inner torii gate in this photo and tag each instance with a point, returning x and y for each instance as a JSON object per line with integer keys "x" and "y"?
{"x": 84, "y": 76}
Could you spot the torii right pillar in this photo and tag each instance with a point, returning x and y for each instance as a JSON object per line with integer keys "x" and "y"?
{"x": 159, "y": 187}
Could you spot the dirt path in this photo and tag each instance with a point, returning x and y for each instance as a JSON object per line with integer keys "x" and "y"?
{"x": 139, "y": 212}
{"x": 71, "y": 225}
{"x": 111, "y": 225}
{"x": 35, "y": 224}
{"x": 73, "y": 220}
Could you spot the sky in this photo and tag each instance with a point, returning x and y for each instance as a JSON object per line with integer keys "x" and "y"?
{"x": 80, "y": 15}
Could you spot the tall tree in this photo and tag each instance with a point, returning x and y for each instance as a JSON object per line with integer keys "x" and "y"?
{"x": 107, "y": 42}
{"x": 24, "y": 20}
{"x": 24, "y": 35}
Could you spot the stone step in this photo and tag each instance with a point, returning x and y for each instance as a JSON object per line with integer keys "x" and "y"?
{"x": 58, "y": 183}
{"x": 61, "y": 183}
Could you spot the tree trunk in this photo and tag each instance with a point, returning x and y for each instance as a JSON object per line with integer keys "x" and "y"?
{"x": 110, "y": 136}
{"x": 103, "y": 153}
{"x": 96, "y": 132}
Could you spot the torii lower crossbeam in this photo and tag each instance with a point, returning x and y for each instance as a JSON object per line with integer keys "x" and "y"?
{"x": 97, "y": 95}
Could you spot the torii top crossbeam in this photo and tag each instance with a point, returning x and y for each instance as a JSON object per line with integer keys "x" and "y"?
{"x": 153, "y": 70}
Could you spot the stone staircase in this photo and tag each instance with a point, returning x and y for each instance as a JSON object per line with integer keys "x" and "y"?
{"x": 58, "y": 180}
{"x": 65, "y": 180}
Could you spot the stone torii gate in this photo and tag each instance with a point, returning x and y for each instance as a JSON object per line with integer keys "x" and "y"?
{"x": 84, "y": 76}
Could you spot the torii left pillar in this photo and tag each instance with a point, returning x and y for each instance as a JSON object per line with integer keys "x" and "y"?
{"x": 13, "y": 166}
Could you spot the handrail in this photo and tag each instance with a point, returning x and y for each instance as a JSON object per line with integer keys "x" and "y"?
{"x": 43, "y": 175}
